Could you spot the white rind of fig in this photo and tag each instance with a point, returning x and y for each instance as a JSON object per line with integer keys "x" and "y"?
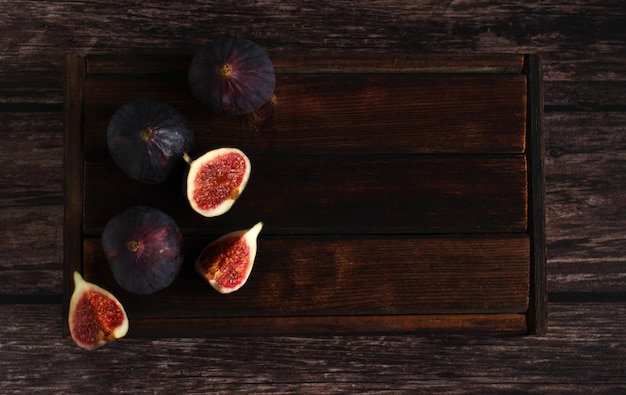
{"x": 225, "y": 194}
{"x": 81, "y": 289}
{"x": 208, "y": 265}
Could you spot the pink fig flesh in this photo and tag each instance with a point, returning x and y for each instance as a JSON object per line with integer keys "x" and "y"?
{"x": 96, "y": 317}
{"x": 216, "y": 180}
{"x": 227, "y": 262}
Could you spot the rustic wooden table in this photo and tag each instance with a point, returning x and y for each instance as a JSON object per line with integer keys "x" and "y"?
{"x": 583, "y": 47}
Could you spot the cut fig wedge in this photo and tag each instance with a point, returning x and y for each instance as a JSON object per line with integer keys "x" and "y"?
{"x": 227, "y": 262}
{"x": 216, "y": 180}
{"x": 96, "y": 317}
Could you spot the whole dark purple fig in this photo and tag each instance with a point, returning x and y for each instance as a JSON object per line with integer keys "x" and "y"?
{"x": 146, "y": 138}
{"x": 232, "y": 75}
{"x": 144, "y": 248}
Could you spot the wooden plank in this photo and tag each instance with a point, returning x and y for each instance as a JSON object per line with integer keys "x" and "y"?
{"x": 572, "y": 134}
{"x": 587, "y": 276}
{"x": 327, "y": 112}
{"x": 31, "y": 205}
{"x": 31, "y": 156}
{"x": 583, "y": 96}
{"x": 586, "y": 199}
{"x": 587, "y": 340}
{"x": 31, "y": 90}
{"x": 586, "y": 195}
{"x": 31, "y": 253}
{"x": 342, "y": 276}
{"x": 338, "y": 195}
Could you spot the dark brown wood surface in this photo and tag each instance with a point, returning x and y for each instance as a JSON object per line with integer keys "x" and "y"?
{"x": 378, "y": 216}
{"x": 583, "y": 47}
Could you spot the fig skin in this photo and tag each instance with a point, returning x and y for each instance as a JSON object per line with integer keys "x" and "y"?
{"x": 227, "y": 262}
{"x": 144, "y": 248}
{"x": 232, "y": 75}
{"x": 146, "y": 138}
{"x": 96, "y": 317}
{"x": 211, "y": 190}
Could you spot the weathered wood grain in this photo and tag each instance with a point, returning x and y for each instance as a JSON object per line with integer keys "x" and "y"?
{"x": 31, "y": 236}
{"x": 582, "y": 354}
{"x": 31, "y": 209}
{"x": 584, "y": 96}
{"x": 586, "y": 172}
{"x": 31, "y": 156}
{"x": 582, "y": 44}
{"x": 586, "y": 200}
{"x": 589, "y": 279}
{"x": 584, "y": 132}
{"x": 337, "y": 28}
{"x": 325, "y": 27}
{"x": 31, "y": 91}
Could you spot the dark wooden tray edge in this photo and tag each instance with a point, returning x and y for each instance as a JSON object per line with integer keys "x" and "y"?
{"x": 477, "y": 324}
{"x": 538, "y": 298}
{"x": 74, "y": 96}
{"x": 535, "y": 321}
{"x": 500, "y": 63}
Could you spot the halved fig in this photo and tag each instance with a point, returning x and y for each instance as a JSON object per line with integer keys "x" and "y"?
{"x": 232, "y": 75}
{"x": 144, "y": 248}
{"x": 216, "y": 180}
{"x": 146, "y": 138}
{"x": 96, "y": 317}
{"x": 226, "y": 263}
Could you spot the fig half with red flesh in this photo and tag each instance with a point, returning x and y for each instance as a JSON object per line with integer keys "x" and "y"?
{"x": 232, "y": 75}
{"x": 146, "y": 138}
{"x": 144, "y": 248}
{"x": 96, "y": 317}
{"x": 227, "y": 262}
{"x": 216, "y": 180}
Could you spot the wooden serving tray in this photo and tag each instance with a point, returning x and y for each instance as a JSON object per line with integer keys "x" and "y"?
{"x": 399, "y": 195}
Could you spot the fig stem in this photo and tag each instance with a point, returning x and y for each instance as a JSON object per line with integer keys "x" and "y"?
{"x": 145, "y": 133}
{"x": 187, "y": 158}
{"x": 226, "y": 70}
{"x": 133, "y": 245}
